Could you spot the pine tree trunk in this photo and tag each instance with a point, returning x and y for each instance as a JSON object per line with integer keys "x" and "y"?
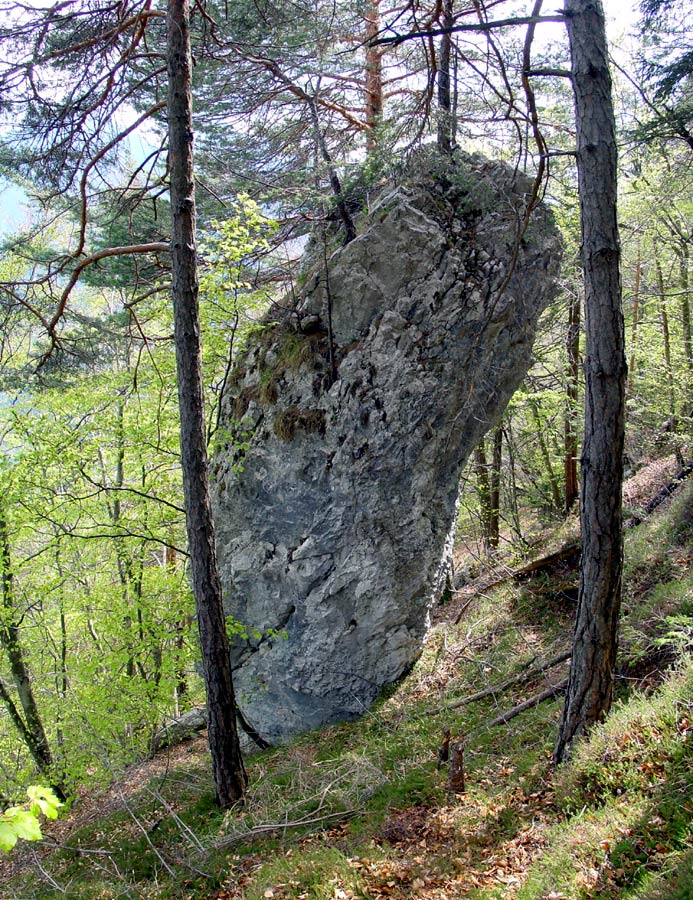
{"x": 570, "y": 442}
{"x": 445, "y": 124}
{"x": 374, "y": 76}
{"x": 595, "y": 640}
{"x": 229, "y": 773}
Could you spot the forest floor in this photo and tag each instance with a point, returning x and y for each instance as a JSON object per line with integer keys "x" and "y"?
{"x": 363, "y": 809}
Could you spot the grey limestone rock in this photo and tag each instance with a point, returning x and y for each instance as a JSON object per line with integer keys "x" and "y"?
{"x": 336, "y": 492}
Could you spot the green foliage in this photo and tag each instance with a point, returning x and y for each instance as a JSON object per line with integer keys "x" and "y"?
{"x": 628, "y": 797}
{"x": 644, "y": 743}
{"x": 354, "y": 806}
{"x": 658, "y": 582}
{"x": 92, "y": 492}
{"x": 665, "y": 57}
{"x": 229, "y": 306}
{"x": 23, "y": 822}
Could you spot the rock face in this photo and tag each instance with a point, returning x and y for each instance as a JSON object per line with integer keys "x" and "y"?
{"x": 349, "y": 422}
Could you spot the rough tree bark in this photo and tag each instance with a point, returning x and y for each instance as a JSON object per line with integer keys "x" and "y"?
{"x": 445, "y": 123}
{"x": 570, "y": 441}
{"x": 227, "y": 763}
{"x": 595, "y": 640}
{"x": 374, "y": 76}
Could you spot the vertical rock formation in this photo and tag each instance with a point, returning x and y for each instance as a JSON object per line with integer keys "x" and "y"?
{"x": 350, "y": 421}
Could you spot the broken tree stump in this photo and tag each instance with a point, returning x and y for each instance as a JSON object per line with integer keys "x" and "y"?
{"x": 457, "y": 785}
{"x": 444, "y": 749}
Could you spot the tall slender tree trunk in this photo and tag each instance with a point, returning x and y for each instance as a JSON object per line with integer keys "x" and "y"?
{"x": 227, "y": 763}
{"x": 181, "y": 687}
{"x": 595, "y": 640}
{"x": 335, "y": 183}
{"x": 61, "y": 676}
{"x": 512, "y": 493}
{"x": 122, "y": 555}
{"x": 484, "y": 490}
{"x": 30, "y": 726}
{"x": 374, "y": 76}
{"x": 445, "y": 92}
{"x": 494, "y": 482}
{"x": 570, "y": 439}
{"x": 635, "y": 324}
{"x": 488, "y": 487}
{"x": 554, "y": 485}
{"x": 684, "y": 262}
{"x": 664, "y": 319}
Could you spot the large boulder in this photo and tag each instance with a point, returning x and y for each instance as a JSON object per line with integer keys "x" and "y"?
{"x": 348, "y": 420}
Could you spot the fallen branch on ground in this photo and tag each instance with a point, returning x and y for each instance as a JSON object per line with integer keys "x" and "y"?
{"x": 527, "y": 675}
{"x": 662, "y": 495}
{"x": 548, "y": 694}
{"x": 267, "y": 830}
{"x": 569, "y": 553}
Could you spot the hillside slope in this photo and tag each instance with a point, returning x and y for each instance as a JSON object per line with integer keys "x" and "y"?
{"x": 363, "y": 810}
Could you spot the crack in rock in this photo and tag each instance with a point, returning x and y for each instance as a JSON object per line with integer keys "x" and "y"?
{"x": 354, "y": 488}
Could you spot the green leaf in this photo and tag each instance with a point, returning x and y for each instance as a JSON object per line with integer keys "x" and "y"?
{"x": 24, "y": 824}
{"x": 8, "y": 836}
{"x": 43, "y": 800}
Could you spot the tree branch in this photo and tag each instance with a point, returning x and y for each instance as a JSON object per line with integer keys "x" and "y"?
{"x": 498, "y": 688}
{"x": 154, "y": 247}
{"x": 395, "y": 40}
{"x": 548, "y": 694}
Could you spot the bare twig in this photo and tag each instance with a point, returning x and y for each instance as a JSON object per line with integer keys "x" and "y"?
{"x": 527, "y": 675}
{"x": 475, "y": 27}
{"x": 49, "y": 878}
{"x": 141, "y": 827}
{"x": 185, "y": 829}
{"x": 548, "y": 694}
{"x": 267, "y": 830}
